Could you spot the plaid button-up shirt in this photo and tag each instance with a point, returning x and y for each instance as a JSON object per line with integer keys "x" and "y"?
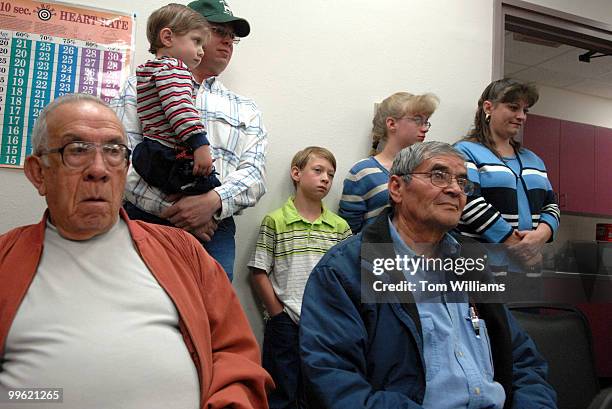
{"x": 238, "y": 142}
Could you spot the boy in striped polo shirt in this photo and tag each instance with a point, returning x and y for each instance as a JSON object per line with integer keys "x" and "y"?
{"x": 291, "y": 241}
{"x": 175, "y": 154}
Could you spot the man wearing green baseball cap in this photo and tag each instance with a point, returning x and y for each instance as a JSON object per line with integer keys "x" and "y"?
{"x": 218, "y": 11}
{"x": 238, "y": 142}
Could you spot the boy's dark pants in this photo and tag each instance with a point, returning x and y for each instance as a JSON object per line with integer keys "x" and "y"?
{"x": 282, "y": 360}
{"x": 170, "y": 170}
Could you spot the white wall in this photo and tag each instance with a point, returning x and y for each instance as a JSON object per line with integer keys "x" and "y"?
{"x": 316, "y": 68}
{"x": 573, "y": 106}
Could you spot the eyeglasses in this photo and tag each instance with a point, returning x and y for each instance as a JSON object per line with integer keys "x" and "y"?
{"x": 419, "y": 121}
{"x": 78, "y": 154}
{"x": 443, "y": 179}
{"x": 225, "y": 33}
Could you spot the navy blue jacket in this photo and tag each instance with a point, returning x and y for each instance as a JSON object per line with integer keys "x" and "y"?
{"x": 370, "y": 355}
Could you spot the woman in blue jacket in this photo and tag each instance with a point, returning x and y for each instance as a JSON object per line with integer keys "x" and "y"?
{"x": 513, "y": 202}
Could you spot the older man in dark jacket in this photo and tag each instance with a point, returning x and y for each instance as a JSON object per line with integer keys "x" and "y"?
{"x": 374, "y": 336}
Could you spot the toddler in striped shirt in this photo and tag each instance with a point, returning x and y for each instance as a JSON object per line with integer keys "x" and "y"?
{"x": 175, "y": 153}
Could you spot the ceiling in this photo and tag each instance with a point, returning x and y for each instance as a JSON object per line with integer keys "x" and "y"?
{"x": 557, "y": 67}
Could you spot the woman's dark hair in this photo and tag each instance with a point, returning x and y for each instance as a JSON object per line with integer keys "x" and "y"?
{"x": 506, "y": 90}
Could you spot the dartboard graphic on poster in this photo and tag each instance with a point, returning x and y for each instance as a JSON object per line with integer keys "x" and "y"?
{"x": 49, "y": 49}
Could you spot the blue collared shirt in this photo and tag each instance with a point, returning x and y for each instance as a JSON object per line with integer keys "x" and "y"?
{"x": 459, "y": 364}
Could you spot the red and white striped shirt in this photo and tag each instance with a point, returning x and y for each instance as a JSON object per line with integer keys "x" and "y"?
{"x": 165, "y": 98}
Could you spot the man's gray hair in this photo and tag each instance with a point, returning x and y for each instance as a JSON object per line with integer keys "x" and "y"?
{"x": 409, "y": 158}
{"x": 39, "y": 132}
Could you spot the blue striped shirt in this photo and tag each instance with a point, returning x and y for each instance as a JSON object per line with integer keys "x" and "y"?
{"x": 364, "y": 194}
{"x": 492, "y": 212}
{"x": 238, "y": 142}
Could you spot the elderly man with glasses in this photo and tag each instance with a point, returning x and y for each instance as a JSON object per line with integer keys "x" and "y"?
{"x": 372, "y": 335}
{"x": 116, "y": 313}
{"x": 238, "y": 143}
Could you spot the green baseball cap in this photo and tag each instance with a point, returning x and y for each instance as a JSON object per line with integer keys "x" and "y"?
{"x": 218, "y": 11}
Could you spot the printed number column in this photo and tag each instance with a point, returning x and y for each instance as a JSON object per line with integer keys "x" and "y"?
{"x": 17, "y": 87}
{"x": 41, "y": 87}
{"x": 111, "y": 74}
{"x": 5, "y": 54}
{"x": 90, "y": 64}
{"x": 66, "y": 68}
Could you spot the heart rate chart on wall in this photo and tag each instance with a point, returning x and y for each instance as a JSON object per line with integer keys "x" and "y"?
{"x": 48, "y": 50}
